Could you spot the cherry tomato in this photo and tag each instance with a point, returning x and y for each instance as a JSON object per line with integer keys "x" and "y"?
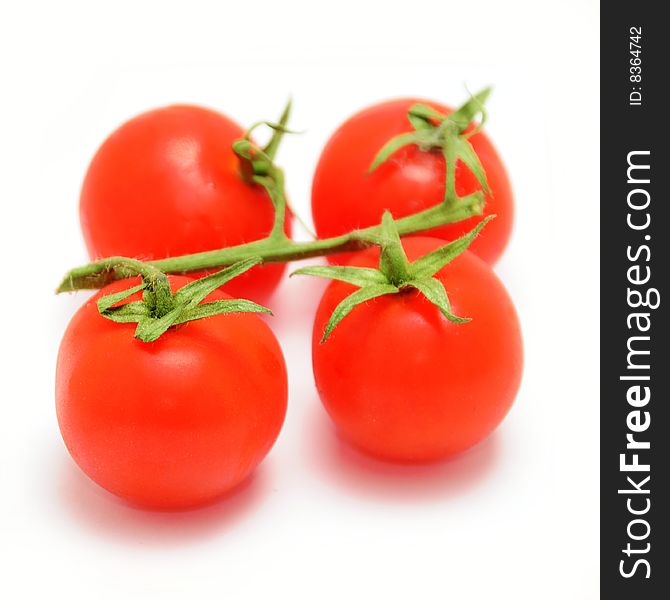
{"x": 167, "y": 183}
{"x": 345, "y": 196}
{"x": 173, "y": 423}
{"x": 403, "y": 383}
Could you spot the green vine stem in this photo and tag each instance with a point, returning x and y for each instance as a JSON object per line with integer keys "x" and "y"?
{"x": 273, "y": 248}
{"x": 257, "y": 167}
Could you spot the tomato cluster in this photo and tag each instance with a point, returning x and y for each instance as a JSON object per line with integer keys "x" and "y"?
{"x": 182, "y": 419}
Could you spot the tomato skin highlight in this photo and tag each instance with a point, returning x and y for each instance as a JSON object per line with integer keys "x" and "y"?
{"x": 174, "y": 423}
{"x": 167, "y": 183}
{"x": 345, "y": 196}
{"x": 403, "y": 383}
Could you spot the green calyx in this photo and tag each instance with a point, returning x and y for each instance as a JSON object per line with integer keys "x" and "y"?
{"x": 257, "y": 166}
{"x": 395, "y": 273}
{"x": 447, "y": 133}
{"x": 161, "y": 309}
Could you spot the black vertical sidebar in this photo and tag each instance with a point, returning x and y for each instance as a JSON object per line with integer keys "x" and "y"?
{"x": 635, "y": 265}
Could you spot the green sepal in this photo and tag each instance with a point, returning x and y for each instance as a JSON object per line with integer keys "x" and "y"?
{"x": 421, "y": 138}
{"x": 106, "y": 303}
{"x": 352, "y": 300}
{"x": 359, "y": 276}
{"x": 196, "y": 291}
{"x": 464, "y": 115}
{"x": 418, "y": 122}
{"x": 431, "y": 263}
{"x": 221, "y": 307}
{"x": 258, "y": 161}
{"x": 458, "y": 147}
{"x": 149, "y": 329}
{"x": 434, "y": 291}
{"x": 450, "y": 154}
{"x": 426, "y": 114}
{"x": 278, "y": 131}
{"x": 466, "y": 153}
{"x": 133, "y": 312}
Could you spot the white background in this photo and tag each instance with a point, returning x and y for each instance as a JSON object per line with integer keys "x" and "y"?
{"x": 517, "y": 517}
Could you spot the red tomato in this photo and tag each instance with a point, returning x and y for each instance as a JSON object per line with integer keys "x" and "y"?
{"x": 167, "y": 183}
{"x": 403, "y": 383}
{"x": 173, "y": 423}
{"x": 346, "y": 197}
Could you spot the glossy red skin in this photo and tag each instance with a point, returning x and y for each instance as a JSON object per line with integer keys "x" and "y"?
{"x": 167, "y": 183}
{"x": 177, "y": 422}
{"x": 403, "y": 383}
{"x": 345, "y": 196}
